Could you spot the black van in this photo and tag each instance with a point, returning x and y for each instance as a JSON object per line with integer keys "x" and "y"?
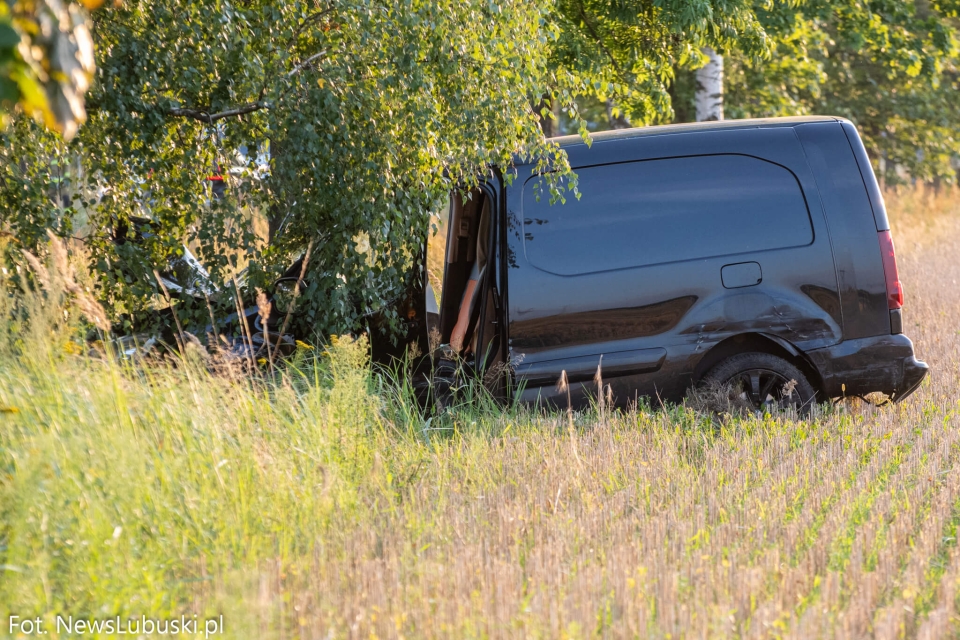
{"x": 755, "y": 252}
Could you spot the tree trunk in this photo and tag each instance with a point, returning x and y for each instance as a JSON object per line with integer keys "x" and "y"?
{"x": 709, "y": 95}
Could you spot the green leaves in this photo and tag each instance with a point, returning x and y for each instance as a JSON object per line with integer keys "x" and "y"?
{"x": 8, "y": 38}
{"x": 46, "y": 62}
{"x": 628, "y": 52}
{"x": 890, "y": 67}
{"x": 366, "y": 113}
{"x": 358, "y": 116}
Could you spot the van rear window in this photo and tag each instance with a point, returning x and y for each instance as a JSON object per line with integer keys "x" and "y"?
{"x": 654, "y": 211}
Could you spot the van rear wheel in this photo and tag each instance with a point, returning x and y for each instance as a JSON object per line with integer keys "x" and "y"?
{"x": 762, "y": 381}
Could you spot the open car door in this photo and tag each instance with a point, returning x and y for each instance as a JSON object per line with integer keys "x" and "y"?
{"x": 461, "y": 247}
{"x": 465, "y": 273}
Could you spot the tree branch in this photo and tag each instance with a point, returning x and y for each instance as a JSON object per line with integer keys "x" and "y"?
{"x": 306, "y": 63}
{"x": 205, "y": 116}
{"x": 600, "y": 42}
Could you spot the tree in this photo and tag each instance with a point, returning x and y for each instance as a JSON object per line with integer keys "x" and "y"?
{"x": 46, "y": 61}
{"x": 629, "y": 52}
{"x": 709, "y": 93}
{"x": 372, "y": 110}
{"x": 890, "y": 67}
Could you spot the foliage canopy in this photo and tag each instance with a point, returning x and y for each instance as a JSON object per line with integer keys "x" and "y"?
{"x": 371, "y": 110}
{"x": 341, "y": 124}
{"x": 891, "y": 67}
{"x": 628, "y": 52}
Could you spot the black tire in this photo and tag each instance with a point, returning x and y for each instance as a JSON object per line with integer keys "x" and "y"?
{"x": 444, "y": 379}
{"x": 762, "y": 381}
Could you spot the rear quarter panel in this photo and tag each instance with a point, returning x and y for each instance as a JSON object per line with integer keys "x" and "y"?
{"x": 852, "y": 226}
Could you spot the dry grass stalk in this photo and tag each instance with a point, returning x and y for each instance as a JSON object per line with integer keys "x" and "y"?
{"x": 43, "y": 276}
{"x": 598, "y": 381}
{"x": 433, "y": 340}
{"x": 176, "y": 318}
{"x": 263, "y": 310}
{"x": 244, "y": 325}
{"x": 62, "y": 273}
{"x": 296, "y": 291}
{"x": 563, "y": 386}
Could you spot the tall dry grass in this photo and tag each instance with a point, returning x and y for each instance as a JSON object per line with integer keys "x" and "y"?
{"x": 323, "y": 506}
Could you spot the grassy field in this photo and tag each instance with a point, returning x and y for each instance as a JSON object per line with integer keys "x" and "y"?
{"x": 320, "y": 505}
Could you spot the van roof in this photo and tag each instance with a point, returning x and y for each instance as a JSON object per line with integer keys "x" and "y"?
{"x": 691, "y": 127}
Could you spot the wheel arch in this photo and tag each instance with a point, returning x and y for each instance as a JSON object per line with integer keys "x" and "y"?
{"x": 763, "y": 343}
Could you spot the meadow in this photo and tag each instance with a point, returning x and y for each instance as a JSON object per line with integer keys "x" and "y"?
{"x": 319, "y": 503}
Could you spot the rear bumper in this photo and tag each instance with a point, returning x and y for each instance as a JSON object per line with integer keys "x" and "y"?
{"x": 882, "y": 363}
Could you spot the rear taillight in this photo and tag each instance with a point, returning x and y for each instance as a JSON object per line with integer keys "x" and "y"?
{"x": 892, "y": 276}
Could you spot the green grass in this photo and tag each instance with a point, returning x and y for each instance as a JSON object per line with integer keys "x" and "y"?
{"x": 162, "y": 490}
{"x": 321, "y": 503}
{"x": 128, "y": 488}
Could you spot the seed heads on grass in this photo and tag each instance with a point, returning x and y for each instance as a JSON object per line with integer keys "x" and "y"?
{"x": 263, "y": 310}
{"x": 61, "y": 276}
{"x": 563, "y": 386}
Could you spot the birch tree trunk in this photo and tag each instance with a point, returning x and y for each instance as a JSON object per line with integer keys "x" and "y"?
{"x": 709, "y": 97}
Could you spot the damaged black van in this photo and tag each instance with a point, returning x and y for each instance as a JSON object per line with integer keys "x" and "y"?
{"x": 750, "y": 252}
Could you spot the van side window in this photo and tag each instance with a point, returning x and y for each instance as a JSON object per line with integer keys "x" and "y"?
{"x": 653, "y": 211}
